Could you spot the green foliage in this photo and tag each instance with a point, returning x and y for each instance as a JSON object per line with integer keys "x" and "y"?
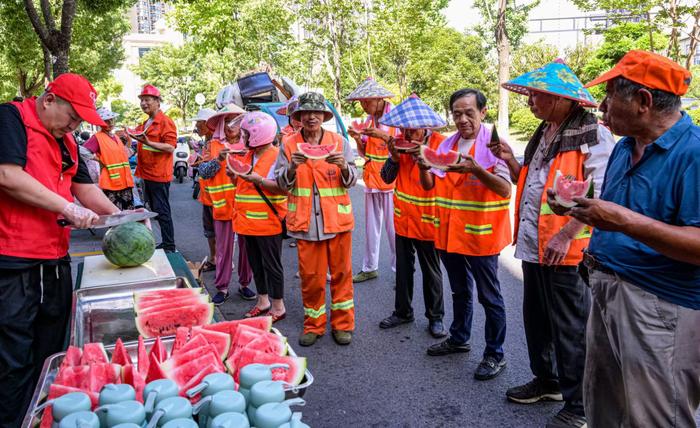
{"x": 694, "y": 88}
{"x": 524, "y": 122}
{"x": 516, "y": 20}
{"x": 129, "y": 113}
{"x": 695, "y": 115}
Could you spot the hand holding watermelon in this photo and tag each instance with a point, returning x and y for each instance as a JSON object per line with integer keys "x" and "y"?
{"x": 376, "y": 133}
{"x": 466, "y": 165}
{"x": 338, "y": 160}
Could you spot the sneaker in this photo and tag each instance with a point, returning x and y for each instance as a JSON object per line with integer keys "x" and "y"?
{"x": 219, "y": 298}
{"x": 365, "y": 276}
{"x": 246, "y": 293}
{"x": 489, "y": 368}
{"x": 342, "y": 337}
{"x": 534, "y": 391}
{"x": 308, "y": 339}
{"x": 437, "y": 329}
{"x": 394, "y": 320}
{"x": 446, "y": 347}
{"x": 567, "y": 419}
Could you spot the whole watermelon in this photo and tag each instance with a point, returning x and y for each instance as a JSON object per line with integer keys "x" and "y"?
{"x": 130, "y": 244}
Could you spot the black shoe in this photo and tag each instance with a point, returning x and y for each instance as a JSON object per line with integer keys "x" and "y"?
{"x": 489, "y": 368}
{"x": 567, "y": 419}
{"x": 437, "y": 329}
{"x": 534, "y": 391}
{"x": 394, "y": 320}
{"x": 446, "y": 347}
{"x": 220, "y": 298}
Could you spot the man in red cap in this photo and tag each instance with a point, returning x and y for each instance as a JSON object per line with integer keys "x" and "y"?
{"x": 643, "y": 260}
{"x": 40, "y": 174}
{"x": 155, "y": 161}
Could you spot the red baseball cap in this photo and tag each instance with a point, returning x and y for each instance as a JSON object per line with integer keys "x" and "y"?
{"x": 651, "y": 70}
{"x": 77, "y": 91}
{"x": 151, "y": 91}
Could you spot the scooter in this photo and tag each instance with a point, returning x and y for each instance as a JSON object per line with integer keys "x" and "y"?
{"x": 194, "y": 160}
{"x": 182, "y": 153}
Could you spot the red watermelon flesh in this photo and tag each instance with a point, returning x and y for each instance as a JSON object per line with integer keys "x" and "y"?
{"x": 403, "y": 145}
{"x": 158, "y": 349}
{"x": 143, "y": 297}
{"x": 274, "y": 344}
{"x": 220, "y": 341}
{"x": 316, "y": 151}
{"x": 142, "y": 357}
{"x": 94, "y": 353}
{"x": 183, "y": 373}
{"x": 359, "y": 126}
{"x": 131, "y": 376}
{"x": 162, "y": 304}
{"x": 76, "y": 377}
{"x": 261, "y": 323}
{"x": 439, "y": 160}
{"x": 566, "y": 188}
{"x": 182, "y": 335}
{"x": 102, "y": 374}
{"x": 57, "y": 390}
{"x": 236, "y": 149}
{"x": 120, "y": 354}
{"x": 196, "y": 380}
{"x": 165, "y": 323}
{"x": 154, "y": 370}
{"x": 72, "y": 358}
{"x": 294, "y": 374}
{"x": 194, "y": 342}
{"x": 184, "y": 357}
{"x": 238, "y": 167}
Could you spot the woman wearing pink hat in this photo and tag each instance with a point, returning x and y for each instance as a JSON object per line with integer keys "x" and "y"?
{"x": 259, "y": 211}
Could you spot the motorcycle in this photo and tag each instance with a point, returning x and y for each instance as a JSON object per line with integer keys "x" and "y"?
{"x": 182, "y": 153}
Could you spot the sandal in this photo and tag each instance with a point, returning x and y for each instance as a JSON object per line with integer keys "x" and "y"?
{"x": 278, "y": 317}
{"x": 256, "y": 312}
{"x": 208, "y": 266}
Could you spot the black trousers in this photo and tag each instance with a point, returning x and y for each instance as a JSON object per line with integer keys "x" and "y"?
{"x": 35, "y": 308}
{"x": 406, "y": 251}
{"x": 265, "y": 258}
{"x": 158, "y": 196}
{"x": 556, "y": 303}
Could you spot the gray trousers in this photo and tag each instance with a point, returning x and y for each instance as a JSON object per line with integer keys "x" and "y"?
{"x": 642, "y": 360}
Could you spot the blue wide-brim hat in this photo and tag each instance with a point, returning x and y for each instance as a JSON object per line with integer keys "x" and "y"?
{"x": 369, "y": 89}
{"x": 555, "y": 78}
{"x": 412, "y": 113}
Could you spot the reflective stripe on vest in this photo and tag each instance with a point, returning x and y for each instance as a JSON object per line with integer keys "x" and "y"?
{"x": 343, "y": 306}
{"x": 315, "y": 313}
{"x": 456, "y": 204}
{"x": 151, "y": 149}
{"x": 115, "y": 173}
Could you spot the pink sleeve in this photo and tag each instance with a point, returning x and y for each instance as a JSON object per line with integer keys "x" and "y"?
{"x": 92, "y": 145}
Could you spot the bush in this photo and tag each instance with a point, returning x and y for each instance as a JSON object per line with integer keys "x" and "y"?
{"x": 524, "y": 122}
{"x": 695, "y": 115}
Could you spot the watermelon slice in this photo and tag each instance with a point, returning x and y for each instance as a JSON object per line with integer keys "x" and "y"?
{"x": 221, "y": 341}
{"x": 403, "y": 145}
{"x": 166, "y": 322}
{"x": 294, "y": 374}
{"x": 439, "y": 160}
{"x": 142, "y": 357}
{"x": 146, "y": 296}
{"x": 237, "y": 167}
{"x": 273, "y": 344}
{"x": 120, "y": 355}
{"x": 182, "y": 335}
{"x": 236, "y": 149}
{"x": 57, "y": 390}
{"x": 566, "y": 188}
{"x": 154, "y": 370}
{"x": 93, "y": 353}
{"x": 131, "y": 376}
{"x": 195, "y": 342}
{"x": 72, "y": 358}
{"x": 162, "y": 304}
{"x": 102, "y": 374}
{"x": 158, "y": 349}
{"x": 316, "y": 151}
{"x": 246, "y": 335}
{"x": 261, "y": 323}
{"x": 359, "y": 126}
{"x": 196, "y": 380}
{"x": 184, "y": 357}
{"x": 186, "y": 371}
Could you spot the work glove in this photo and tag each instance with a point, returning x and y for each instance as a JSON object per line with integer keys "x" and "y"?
{"x": 79, "y": 217}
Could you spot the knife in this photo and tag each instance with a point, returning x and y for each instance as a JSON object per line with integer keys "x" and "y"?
{"x": 111, "y": 220}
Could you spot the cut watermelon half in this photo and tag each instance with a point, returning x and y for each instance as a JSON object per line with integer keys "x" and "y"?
{"x": 403, "y": 145}
{"x": 72, "y": 358}
{"x": 437, "y": 160}
{"x": 566, "y": 189}
{"x": 131, "y": 376}
{"x": 294, "y": 374}
{"x": 237, "y": 167}
{"x": 163, "y": 304}
{"x": 187, "y": 370}
{"x": 166, "y": 322}
{"x": 142, "y": 357}
{"x": 94, "y": 353}
{"x": 146, "y": 296}
{"x": 120, "y": 354}
{"x": 316, "y": 151}
{"x": 181, "y": 337}
{"x": 220, "y": 341}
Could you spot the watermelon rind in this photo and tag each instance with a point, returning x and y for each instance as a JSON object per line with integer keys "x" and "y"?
{"x": 429, "y": 156}
{"x": 193, "y": 343}
{"x": 164, "y": 323}
{"x": 220, "y": 341}
{"x": 403, "y": 145}
{"x": 183, "y": 372}
{"x": 157, "y": 305}
{"x": 565, "y": 201}
{"x": 309, "y": 149}
{"x": 237, "y": 167}
{"x": 128, "y": 245}
{"x": 143, "y": 297}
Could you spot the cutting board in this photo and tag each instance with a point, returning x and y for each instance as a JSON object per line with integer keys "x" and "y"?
{"x": 97, "y": 271}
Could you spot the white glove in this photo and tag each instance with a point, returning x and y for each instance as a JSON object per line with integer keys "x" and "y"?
{"x": 79, "y": 217}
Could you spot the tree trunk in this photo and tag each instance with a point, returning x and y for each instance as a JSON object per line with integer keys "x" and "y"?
{"x": 651, "y": 32}
{"x": 694, "y": 36}
{"x": 55, "y": 40}
{"x": 503, "y": 49}
{"x": 673, "y": 50}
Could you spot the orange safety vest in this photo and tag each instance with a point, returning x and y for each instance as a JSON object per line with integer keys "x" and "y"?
{"x": 336, "y": 207}
{"x": 154, "y": 164}
{"x": 548, "y": 223}
{"x": 116, "y": 172}
{"x": 471, "y": 219}
{"x": 414, "y": 207}
{"x": 218, "y": 190}
{"x": 376, "y": 153}
{"x": 252, "y": 216}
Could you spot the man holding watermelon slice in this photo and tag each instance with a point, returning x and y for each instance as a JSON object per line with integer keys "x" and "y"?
{"x": 643, "y": 261}
{"x": 568, "y": 147}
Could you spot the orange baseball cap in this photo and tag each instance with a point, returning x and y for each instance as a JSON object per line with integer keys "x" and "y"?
{"x": 78, "y": 91}
{"x": 651, "y": 70}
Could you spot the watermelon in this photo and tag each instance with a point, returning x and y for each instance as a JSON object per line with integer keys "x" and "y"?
{"x": 159, "y": 305}
{"x": 166, "y": 322}
{"x": 196, "y": 380}
{"x": 294, "y": 374}
{"x": 261, "y": 323}
{"x": 93, "y": 353}
{"x": 236, "y": 149}
{"x": 57, "y": 390}
{"x": 566, "y": 188}
{"x": 120, "y": 355}
{"x": 403, "y": 145}
{"x": 102, "y": 374}
{"x": 72, "y": 358}
{"x": 237, "y": 167}
{"x": 185, "y": 357}
{"x": 142, "y": 357}
{"x": 130, "y": 244}
{"x": 154, "y": 370}
{"x": 141, "y": 299}
{"x": 316, "y": 151}
{"x": 221, "y": 341}
{"x": 158, "y": 349}
{"x": 193, "y": 343}
{"x": 182, "y": 373}
{"x": 273, "y": 344}
{"x": 359, "y": 126}
{"x": 439, "y": 160}
{"x": 245, "y": 335}
{"x": 131, "y": 376}
{"x": 182, "y": 335}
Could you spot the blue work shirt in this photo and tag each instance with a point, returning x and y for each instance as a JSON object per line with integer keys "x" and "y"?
{"x": 663, "y": 185}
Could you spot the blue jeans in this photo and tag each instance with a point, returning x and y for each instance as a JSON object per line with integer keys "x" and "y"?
{"x": 464, "y": 272}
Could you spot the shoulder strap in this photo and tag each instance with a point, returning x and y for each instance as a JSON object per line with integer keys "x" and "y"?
{"x": 267, "y": 201}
